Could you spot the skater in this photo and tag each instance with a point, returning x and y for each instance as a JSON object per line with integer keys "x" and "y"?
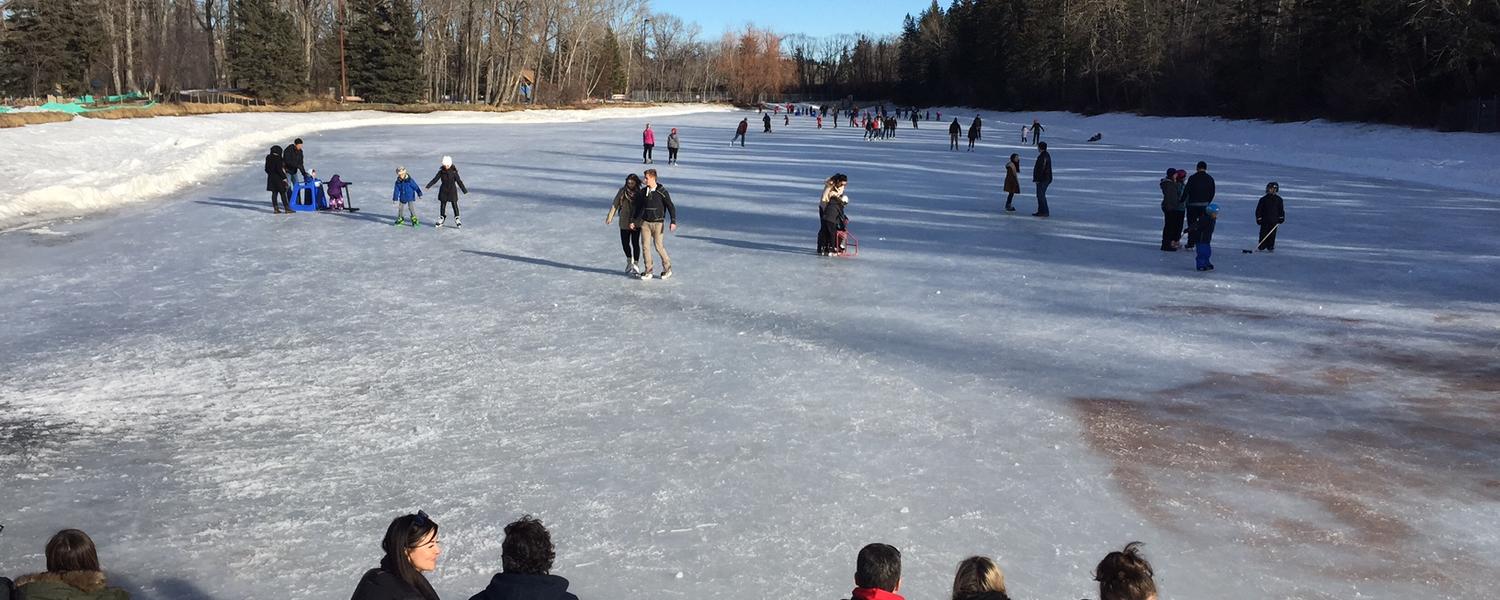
{"x": 648, "y": 141}
{"x": 73, "y": 572}
{"x": 953, "y": 131}
{"x": 652, "y": 204}
{"x": 404, "y": 195}
{"x": 1036, "y": 132}
{"x": 630, "y": 235}
{"x": 1270, "y": 212}
{"x": 411, "y": 548}
{"x": 739, "y": 132}
{"x": 1012, "y": 181}
{"x": 877, "y": 573}
{"x": 336, "y": 187}
{"x": 766, "y": 119}
{"x": 974, "y": 132}
{"x": 914, "y": 119}
{"x": 786, "y": 120}
{"x": 831, "y": 214}
{"x": 276, "y": 181}
{"x": 448, "y": 193}
{"x": 1024, "y": 129}
{"x": 673, "y": 145}
{"x": 294, "y": 162}
{"x": 820, "y": 121}
{"x": 1203, "y": 231}
{"x": 1171, "y": 211}
{"x": 1200, "y": 194}
{"x": 1041, "y": 175}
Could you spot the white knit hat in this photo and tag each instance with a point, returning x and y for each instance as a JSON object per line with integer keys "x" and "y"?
{"x": 447, "y": 161}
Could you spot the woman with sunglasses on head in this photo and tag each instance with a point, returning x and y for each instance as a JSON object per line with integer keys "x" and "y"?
{"x": 411, "y": 548}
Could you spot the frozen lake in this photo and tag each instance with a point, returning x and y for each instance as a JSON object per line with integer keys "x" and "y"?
{"x": 235, "y": 403}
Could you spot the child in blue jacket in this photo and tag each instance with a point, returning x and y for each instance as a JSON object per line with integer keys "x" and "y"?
{"x": 404, "y": 195}
{"x": 1204, "y": 231}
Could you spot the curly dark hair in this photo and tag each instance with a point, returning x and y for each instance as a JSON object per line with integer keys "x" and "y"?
{"x": 527, "y": 548}
{"x": 1125, "y": 575}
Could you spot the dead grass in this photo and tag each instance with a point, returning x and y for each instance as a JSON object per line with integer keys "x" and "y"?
{"x": 32, "y": 118}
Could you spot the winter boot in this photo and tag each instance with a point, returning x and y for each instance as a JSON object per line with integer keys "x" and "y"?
{"x": 440, "y": 221}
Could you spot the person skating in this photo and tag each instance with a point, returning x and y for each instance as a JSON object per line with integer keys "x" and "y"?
{"x": 1200, "y": 194}
{"x": 653, "y": 204}
{"x": 276, "y": 182}
{"x": 1270, "y": 212}
{"x": 913, "y": 119}
{"x": 404, "y": 195}
{"x": 294, "y": 162}
{"x": 786, "y": 119}
{"x": 831, "y": 213}
{"x": 648, "y": 141}
{"x": 1172, "y": 209}
{"x": 337, "y": 189}
{"x": 1012, "y": 181}
{"x": 448, "y": 193}
{"x": 630, "y": 235}
{"x": 766, "y": 119}
{"x": 1041, "y": 175}
{"x": 1036, "y": 132}
{"x": 974, "y": 132}
{"x": 1024, "y": 129}
{"x": 739, "y": 132}
{"x": 953, "y": 131}
{"x": 673, "y": 145}
{"x": 1203, "y": 230}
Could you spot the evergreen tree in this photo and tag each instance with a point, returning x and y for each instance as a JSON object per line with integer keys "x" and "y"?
{"x": 48, "y": 47}
{"x": 383, "y": 51}
{"x": 264, "y": 56}
{"x": 612, "y": 65}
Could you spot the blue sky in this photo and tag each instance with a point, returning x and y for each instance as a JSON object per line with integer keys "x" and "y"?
{"x": 812, "y": 17}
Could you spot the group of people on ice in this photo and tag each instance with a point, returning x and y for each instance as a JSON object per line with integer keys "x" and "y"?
{"x": 287, "y": 175}
{"x": 648, "y": 141}
{"x": 406, "y": 192}
{"x": 1190, "y": 200}
{"x": 644, "y": 208}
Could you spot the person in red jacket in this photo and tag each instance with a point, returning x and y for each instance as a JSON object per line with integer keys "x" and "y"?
{"x": 877, "y": 573}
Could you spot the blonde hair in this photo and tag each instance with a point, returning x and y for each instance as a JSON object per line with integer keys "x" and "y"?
{"x": 976, "y": 575}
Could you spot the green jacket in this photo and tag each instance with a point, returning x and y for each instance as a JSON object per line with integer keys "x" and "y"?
{"x": 69, "y": 585}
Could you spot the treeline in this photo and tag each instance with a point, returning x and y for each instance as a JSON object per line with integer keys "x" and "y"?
{"x": 394, "y": 50}
{"x": 1400, "y": 61}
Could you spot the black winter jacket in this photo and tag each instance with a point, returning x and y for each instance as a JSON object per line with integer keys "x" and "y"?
{"x": 833, "y": 211}
{"x": 1200, "y": 189}
{"x": 275, "y": 173}
{"x": 452, "y": 183}
{"x": 1171, "y": 197}
{"x": 955, "y": 128}
{"x": 974, "y": 129}
{"x": 379, "y": 584}
{"x": 1270, "y": 210}
{"x": 1205, "y": 229}
{"x": 650, "y": 205}
{"x": 512, "y": 586}
{"x": 292, "y": 157}
{"x": 1041, "y": 172}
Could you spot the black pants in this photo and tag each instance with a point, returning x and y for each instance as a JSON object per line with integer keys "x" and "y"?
{"x": 1171, "y": 230}
{"x": 828, "y": 237}
{"x": 671, "y": 154}
{"x": 1268, "y": 236}
{"x": 630, "y": 240}
{"x": 953, "y": 142}
{"x": 281, "y": 195}
{"x": 443, "y": 207}
{"x": 646, "y": 154}
{"x": 1194, "y": 214}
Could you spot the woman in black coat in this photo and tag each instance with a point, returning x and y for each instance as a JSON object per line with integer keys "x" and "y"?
{"x": 276, "y": 179}
{"x": 448, "y": 192}
{"x": 411, "y": 547}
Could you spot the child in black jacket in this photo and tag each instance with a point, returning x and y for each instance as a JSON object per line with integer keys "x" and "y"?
{"x": 1270, "y": 212}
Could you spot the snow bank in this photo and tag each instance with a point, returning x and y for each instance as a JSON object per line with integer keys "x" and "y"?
{"x": 1463, "y": 161}
{"x": 88, "y": 165}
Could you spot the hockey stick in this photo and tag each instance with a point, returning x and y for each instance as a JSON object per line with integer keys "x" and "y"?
{"x": 1263, "y": 240}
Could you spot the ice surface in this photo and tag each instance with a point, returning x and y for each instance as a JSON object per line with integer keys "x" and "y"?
{"x": 235, "y": 403}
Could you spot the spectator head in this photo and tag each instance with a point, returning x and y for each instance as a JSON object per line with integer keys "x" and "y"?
{"x": 650, "y": 177}
{"x": 1041, "y": 146}
{"x": 71, "y": 550}
{"x": 674, "y": 130}
{"x": 977, "y": 575}
{"x": 1125, "y": 575}
{"x": 879, "y": 567}
{"x": 633, "y": 181}
{"x": 837, "y": 180}
{"x": 411, "y": 547}
{"x": 1015, "y": 157}
{"x": 276, "y": 150}
{"x": 1202, "y": 166}
{"x": 1181, "y": 175}
{"x": 527, "y": 549}
{"x": 297, "y": 142}
{"x": 1171, "y": 173}
{"x": 1273, "y": 187}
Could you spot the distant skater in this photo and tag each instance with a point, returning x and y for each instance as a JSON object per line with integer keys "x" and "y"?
{"x": 1041, "y": 175}
{"x": 648, "y": 141}
{"x": 739, "y": 132}
{"x": 1036, "y": 132}
{"x": 448, "y": 192}
{"x": 1270, "y": 213}
{"x": 673, "y": 145}
{"x": 1012, "y": 181}
{"x": 953, "y": 131}
{"x": 974, "y": 132}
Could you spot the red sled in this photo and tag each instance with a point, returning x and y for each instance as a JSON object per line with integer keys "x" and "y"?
{"x": 847, "y": 244}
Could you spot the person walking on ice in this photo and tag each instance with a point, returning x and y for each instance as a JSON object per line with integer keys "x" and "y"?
{"x": 1270, "y": 213}
{"x": 974, "y": 132}
{"x": 653, "y": 204}
{"x": 1041, "y": 175}
{"x": 739, "y": 132}
{"x": 448, "y": 193}
{"x": 648, "y": 141}
{"x": 404, "y": 196}
{"x": 767, "y": 120}
{"x": 1036, "y": 131}
{"x": 276, "y": 181}
{"x": 630, "y": 236}
{"x": 673, "y": 145}
{"x": 953, "y": 131}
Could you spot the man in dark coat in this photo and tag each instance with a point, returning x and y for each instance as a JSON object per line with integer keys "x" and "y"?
{"x": 953, "y": 131}
{"x": 1200, "y": 194}
{"x": 1041, "y": 175}
{"x": 767, "y": 120}
{"x": 739, "y": 132}
{"x": 292, "y": 159}
{"x": 1269, "y": 213}
{"x": 526, "y": 556}
{"x": 974, "y": 132}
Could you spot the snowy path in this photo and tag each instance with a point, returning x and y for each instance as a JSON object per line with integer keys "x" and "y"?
{"x": 235, "y": 403}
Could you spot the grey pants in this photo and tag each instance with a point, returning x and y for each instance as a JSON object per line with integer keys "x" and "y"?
{"x": 406, "y": 207}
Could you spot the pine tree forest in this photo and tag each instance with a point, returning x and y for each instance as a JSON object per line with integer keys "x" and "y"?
{"x": 1414, "y": 62}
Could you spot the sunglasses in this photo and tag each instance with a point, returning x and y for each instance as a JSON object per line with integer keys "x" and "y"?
{"x": 421, "y": 521}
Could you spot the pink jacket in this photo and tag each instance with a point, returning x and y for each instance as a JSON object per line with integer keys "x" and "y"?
{"x": 649, "y": 137}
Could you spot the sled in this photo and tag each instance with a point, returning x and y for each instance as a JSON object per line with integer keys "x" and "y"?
{"x": 848, "y": 244}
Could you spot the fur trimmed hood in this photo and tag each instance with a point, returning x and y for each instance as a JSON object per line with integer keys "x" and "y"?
{"x": 69, "y": 585}
{"x": 87, "y": 581}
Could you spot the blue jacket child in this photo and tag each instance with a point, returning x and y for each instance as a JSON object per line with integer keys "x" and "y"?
{"x": 405, "y": 193}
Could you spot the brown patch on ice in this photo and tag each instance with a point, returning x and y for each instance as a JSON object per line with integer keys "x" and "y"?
{"x": 1337, "y": 431}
